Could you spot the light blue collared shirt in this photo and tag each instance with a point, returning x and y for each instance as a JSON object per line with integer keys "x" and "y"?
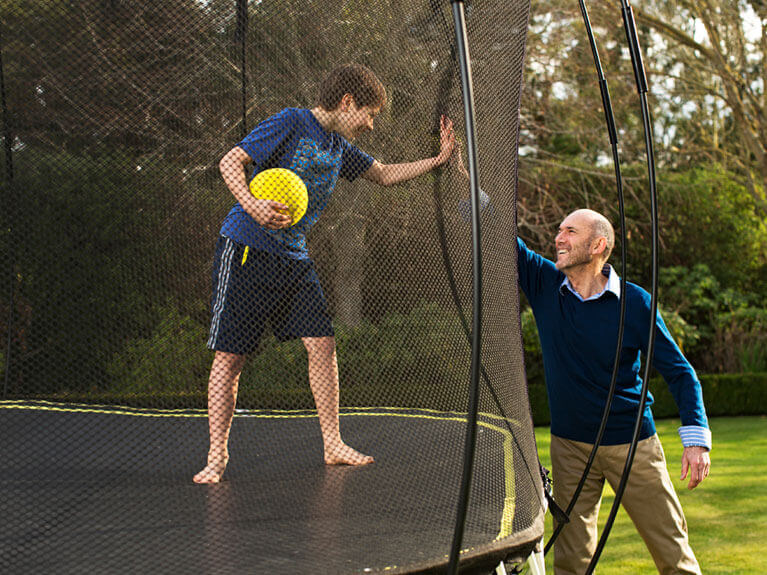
{"x": 613, "y": 284}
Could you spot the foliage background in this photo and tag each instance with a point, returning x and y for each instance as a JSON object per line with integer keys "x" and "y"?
{"x": 706, "y": 69}
{"x": 705, "y": 63}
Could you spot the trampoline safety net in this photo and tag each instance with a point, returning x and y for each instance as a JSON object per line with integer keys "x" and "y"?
{"x": 192, "y": 386}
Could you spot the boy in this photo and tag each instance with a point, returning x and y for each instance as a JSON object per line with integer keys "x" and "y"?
{"x": 277, "y": 282}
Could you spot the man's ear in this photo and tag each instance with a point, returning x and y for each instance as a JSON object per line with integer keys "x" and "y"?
{"x": 599, "y": 246}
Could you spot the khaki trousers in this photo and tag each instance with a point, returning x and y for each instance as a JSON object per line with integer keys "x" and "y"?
{"x": 649, "y": 499}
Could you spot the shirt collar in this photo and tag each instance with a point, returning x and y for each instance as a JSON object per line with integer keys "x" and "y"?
{"x": 613, "y": 285}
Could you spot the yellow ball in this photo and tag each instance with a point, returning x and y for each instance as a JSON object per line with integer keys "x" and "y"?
{"x": 284, "y": 186}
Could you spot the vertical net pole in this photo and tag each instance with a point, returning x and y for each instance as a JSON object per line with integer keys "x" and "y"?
{"x": 241, "y": 34}
{"x": 8, "y": 201}
{"x": 641, "y": 84}
{"x": 459, "y": 19}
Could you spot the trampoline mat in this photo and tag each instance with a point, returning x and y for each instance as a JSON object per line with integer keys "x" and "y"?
{"x": 110, "y": 490}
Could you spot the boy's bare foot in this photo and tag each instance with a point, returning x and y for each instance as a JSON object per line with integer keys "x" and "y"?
{"x": 345, "y": 455}
{"x": 213, "y": 472}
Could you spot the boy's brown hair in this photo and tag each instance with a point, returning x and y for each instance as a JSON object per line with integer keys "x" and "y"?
{"x": 354, "y": 79}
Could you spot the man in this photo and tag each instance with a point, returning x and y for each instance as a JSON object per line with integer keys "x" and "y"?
{"x": 576, "y": 303}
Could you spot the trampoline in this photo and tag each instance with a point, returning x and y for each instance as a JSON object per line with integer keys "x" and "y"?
{"x": 91, "y": 499}
{"x": 114, "y": 118}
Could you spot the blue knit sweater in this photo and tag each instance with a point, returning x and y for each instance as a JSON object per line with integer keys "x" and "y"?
{"x": 578, "y": 340}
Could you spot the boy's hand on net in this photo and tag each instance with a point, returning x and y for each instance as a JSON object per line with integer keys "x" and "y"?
{"x": 446, "y": 139}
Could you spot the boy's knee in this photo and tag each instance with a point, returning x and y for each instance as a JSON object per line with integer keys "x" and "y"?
{"x": 230, "y": 362}
{"x": 320, "y": 345}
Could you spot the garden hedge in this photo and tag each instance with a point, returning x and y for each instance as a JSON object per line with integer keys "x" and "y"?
{"x": 724, "y": 394}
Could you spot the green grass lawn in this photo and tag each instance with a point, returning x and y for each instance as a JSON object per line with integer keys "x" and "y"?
{"x": 726, "y": 514}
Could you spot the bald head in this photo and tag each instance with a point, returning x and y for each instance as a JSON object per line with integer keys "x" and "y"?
{"x": 600, "y": 228}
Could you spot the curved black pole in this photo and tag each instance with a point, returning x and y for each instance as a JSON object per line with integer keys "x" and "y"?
{"x": 8, "y": 149}
{"x": 613, "y": 135}
{"x": 459, "y": 19}
{"x": 641, "y": 82}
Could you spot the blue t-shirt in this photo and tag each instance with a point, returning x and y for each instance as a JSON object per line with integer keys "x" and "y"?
{"x": 295, "y": 140}
{"x": 578, "y": 340}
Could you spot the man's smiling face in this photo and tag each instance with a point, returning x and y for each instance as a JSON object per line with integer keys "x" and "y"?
{"x": 573, "y": 242}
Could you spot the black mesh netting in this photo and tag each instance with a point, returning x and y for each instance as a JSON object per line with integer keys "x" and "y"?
{"x": 115, "y": 118}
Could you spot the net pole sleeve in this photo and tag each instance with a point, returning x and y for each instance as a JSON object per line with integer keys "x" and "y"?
{"x": 459, "y": 19}
{"x": 445, "y": 88}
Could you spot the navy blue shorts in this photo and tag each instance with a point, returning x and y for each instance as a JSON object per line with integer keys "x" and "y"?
{"x": 249, "y": 292}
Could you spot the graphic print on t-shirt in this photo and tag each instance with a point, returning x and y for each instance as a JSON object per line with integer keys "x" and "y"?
{"x": 319, "y": 171}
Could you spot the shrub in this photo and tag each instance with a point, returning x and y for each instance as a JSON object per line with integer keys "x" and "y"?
{"x": 723, "y": 394}
{"x": 709, "y": 217}
{"x": 172, "y": 360}
{"x": 532, "y": 346}
{"x": 741, "y": 340}
{"x": 382, "y": 363}
{"x": 725, "y": 330}
{"x": 91, "y": 257}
